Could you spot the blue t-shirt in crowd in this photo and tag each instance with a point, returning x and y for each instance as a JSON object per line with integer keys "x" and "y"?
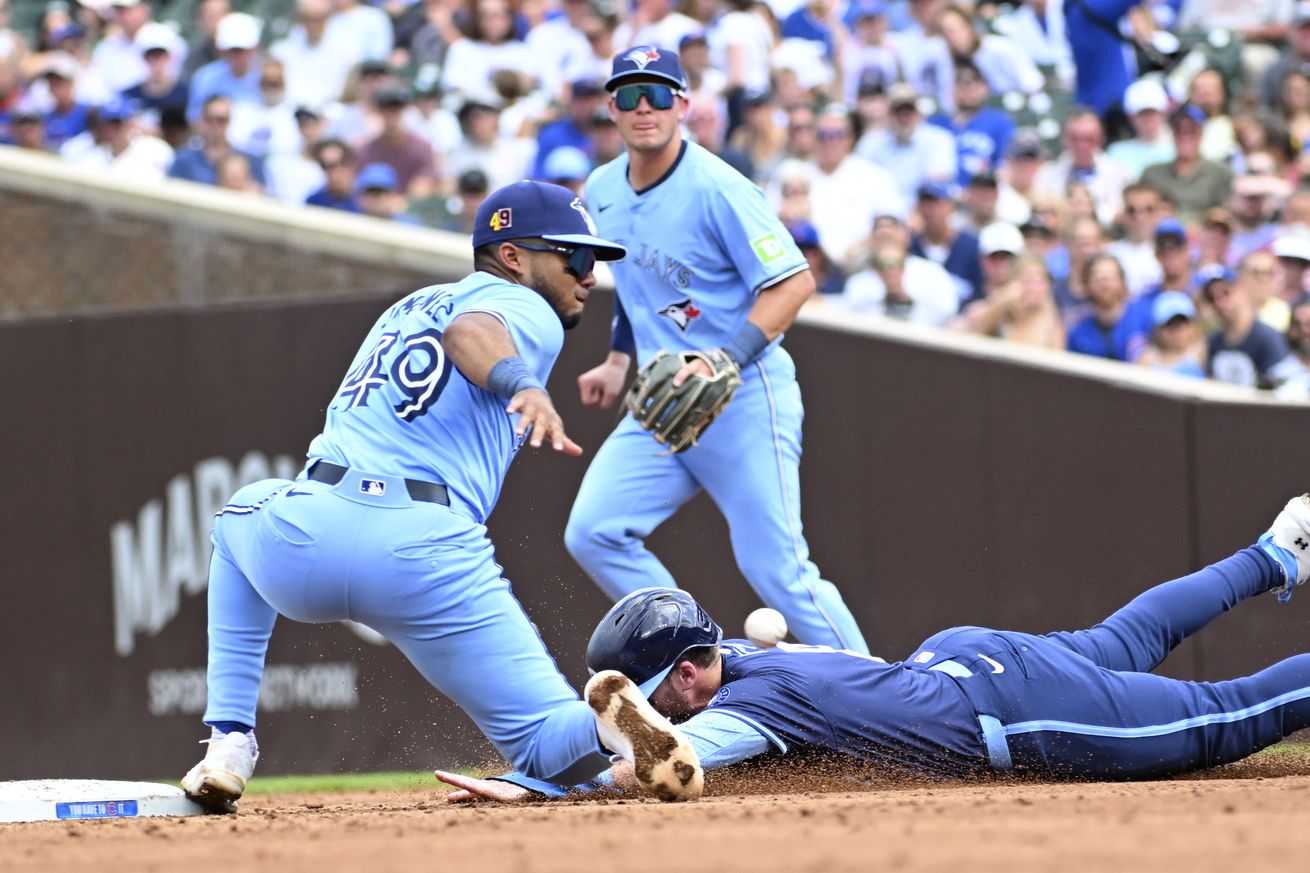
{"x": 325, "y": 198}
{"x": 1124, "y": 341}
{"x": 980, "y": 143}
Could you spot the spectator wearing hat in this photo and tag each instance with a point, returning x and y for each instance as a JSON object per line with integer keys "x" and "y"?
{"x": 408, "y": 154}
{"x": 197, "y": 161}
{"x": 27, "y": 130}
{"x": 941, "y": 241}
{"x": 317, "y": 60}
{"x": 1142, "y": 212}
{"x": 912, "y": 151}
{"x": 380, "y": 195}
{"x": 1108, "y": 331}
{"x": 829, "y": 280}
{"x": 567, "y": 167}
{"x": 163, "y": 87}
{"x": 1024, "y": 160}
{"x": 987, "y": 200}
{"x": 117, "y": 58}
{"x": 460, "y": 209}
{"x": 1292, "y": 248}
{"x": 1145, "y": 103}
{"x": 868, "y": 59}
{"x": 901, "y": 286}
{"x": 1295, "y": 56}
{"x": 1243, "y": 350}
{"x": 69, "y": 47}
{"x": 586, "y": 98}
{"x": 1020, "y": 311}
{"x": 235, "y": 74}
{"x": 1173, "y": 257}
{"x": 1192, "y": 182}
{"x": 128, "y": 151}
{"x": 337, "y": 161}
{"x": 67, "y": 116}
{"x": 504, "y": 159}
{"x": 1000, "y": 246}
{"x": 982, "y": 133}
{"x": 1176, "y": 345}
{"x": 364, "y": 31}
{"x": 1085, "y": 163}
{"x": 268, "y": 127}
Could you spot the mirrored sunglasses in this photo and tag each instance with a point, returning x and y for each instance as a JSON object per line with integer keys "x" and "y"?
{"x": 629, "y": 97}
{"x": 582, "y": 259}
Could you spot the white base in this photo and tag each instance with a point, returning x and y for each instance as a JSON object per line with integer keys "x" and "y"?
{"x": 51, "y": 799}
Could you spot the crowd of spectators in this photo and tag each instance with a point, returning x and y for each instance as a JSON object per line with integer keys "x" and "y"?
{"x": 1120, "y": 179}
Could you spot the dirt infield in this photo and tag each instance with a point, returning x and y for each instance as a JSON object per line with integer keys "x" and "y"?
{"x": 1247, "y": 817}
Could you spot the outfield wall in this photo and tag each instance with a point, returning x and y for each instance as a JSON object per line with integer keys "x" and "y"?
{"x": 946, "y": 480}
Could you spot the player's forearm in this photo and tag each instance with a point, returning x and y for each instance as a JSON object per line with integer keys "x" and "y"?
{"x": 777, "y": 305}
{"x": 475, "y": 342}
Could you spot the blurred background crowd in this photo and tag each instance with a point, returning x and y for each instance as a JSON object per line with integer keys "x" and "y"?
{"x": 1120, "y": 179}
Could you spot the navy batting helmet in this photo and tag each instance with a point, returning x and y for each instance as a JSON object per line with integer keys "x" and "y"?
{"x": 645, "y": 633}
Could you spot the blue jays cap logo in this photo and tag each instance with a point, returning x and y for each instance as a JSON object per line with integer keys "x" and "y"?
{"x": 642, "y": 56}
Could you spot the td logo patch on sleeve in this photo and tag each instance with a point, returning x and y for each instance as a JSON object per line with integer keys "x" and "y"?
{"x": 767, "y": 248}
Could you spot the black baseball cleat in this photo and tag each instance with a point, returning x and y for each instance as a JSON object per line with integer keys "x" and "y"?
{"x": 662, "y": 759}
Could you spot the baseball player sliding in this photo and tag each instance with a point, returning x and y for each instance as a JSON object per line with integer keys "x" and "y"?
{"x": 971, "y": 700}
{"x": 713, "y": 278}
{"x": 386, "y": 524}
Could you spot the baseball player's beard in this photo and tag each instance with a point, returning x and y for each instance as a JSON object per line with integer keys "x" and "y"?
{"x": 558, "y": 300}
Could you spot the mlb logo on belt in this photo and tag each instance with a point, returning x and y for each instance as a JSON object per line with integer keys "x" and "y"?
{"x": 374, "y": 487}
{"x": 502, "y": 218}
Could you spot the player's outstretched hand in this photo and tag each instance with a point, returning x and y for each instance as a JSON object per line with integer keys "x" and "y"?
{"x": 537, "y": 414}
{"x": 469, "y": 790}
{"x": 602, "y": 385}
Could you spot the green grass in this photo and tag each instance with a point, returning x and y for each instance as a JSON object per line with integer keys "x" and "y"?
{"x": 338, "y": 782}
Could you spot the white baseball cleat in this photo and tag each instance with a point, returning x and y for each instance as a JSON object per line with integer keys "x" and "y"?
{"x": 218, "y": 781}
{"x": 662, "y": 759}
{"x": 1288, "y": 542}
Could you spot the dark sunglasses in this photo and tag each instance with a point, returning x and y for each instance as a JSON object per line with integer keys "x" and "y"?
{"x": 629, "y": 97}
{"x": 582, "y": 259}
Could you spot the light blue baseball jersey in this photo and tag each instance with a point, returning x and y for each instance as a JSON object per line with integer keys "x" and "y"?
{"x": 707, "y": 243}
{"x": 403, "y": 409}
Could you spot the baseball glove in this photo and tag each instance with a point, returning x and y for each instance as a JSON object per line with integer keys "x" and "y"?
{"x": 676, "y": 416}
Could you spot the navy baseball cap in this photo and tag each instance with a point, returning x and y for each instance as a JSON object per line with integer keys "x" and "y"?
{"x": 804, "y": 234}
{"x": 1188, "y": 110}
{"x": 936, "y": 190}
{"x": 529, "y": 209}
{"x": 117, "y": 109}
{"x": 646, "y": 61}
{"x": 1170, "y": 227}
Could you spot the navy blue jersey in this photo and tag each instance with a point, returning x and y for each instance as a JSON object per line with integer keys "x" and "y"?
{"x": 817, "y": 698}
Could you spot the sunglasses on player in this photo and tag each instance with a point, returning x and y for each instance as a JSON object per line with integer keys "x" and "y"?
{"x": 582, "y": 259}
{"x": 629, "y": 97}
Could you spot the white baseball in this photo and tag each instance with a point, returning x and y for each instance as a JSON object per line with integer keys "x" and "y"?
{"x": 766, "y": 627}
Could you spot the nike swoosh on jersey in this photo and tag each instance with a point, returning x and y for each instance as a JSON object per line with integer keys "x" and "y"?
{"x": 603, "y": 208}
{"x": 997, "y": 666}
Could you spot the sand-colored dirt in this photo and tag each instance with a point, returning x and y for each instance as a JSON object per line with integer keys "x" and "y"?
{"x": 1246, "y": 818}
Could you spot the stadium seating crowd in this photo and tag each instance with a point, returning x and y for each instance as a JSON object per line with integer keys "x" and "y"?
{"x": 1126, "y": 180}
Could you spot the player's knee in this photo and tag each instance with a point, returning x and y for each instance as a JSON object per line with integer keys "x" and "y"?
{"x": 583, "y": 535}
